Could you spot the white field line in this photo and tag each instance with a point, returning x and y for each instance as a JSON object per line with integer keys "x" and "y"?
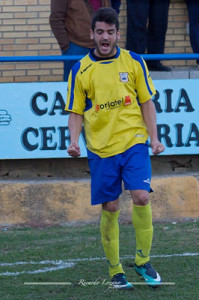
{"x": 60, "y": 266}
{"x": 63, "y": 264}
{"x": 131, "y": 256}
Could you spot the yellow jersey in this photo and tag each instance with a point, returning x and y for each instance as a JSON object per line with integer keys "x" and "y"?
{"x": 108, "y": 94}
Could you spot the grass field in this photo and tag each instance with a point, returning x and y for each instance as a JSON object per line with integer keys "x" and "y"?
{"x": 68, "y": 263}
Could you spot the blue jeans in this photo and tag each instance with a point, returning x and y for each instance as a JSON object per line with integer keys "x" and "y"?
{"x": 72, "y": 50}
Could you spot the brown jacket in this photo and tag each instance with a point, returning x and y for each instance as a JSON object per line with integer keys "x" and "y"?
{"x": 70, "y": 21}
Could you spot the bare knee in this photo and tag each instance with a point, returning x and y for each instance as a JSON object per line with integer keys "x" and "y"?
{"x": 111, "y": 206}
{"x": 140, "y": 197}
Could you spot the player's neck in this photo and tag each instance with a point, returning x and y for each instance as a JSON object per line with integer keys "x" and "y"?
{"x": 98, "y": 58}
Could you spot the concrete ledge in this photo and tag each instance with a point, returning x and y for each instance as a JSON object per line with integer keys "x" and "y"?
{"x": 48, "y": 202}
{"x": 183, "y": 73}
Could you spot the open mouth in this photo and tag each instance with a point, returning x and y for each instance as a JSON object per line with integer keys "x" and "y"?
{"x": 105, "y": 45}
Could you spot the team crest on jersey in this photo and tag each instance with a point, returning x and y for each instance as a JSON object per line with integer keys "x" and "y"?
{"x": 124, "y": 77}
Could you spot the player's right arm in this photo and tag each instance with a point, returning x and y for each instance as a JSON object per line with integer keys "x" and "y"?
{"x": 75, "y": 105}
{"x": 75, "y": 127}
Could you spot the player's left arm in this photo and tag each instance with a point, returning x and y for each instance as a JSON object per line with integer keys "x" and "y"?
{"x": 149, "y": 117}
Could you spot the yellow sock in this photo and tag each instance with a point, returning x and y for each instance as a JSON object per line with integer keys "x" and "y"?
{"x": 142, "y": 222}
{"x": 110, "y": 240}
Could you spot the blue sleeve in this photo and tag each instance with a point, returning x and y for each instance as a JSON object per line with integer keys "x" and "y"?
{"x": 116, "y": 5}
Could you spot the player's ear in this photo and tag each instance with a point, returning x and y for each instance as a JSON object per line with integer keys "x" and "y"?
{"x": 118, "y": 34}
{"x": 91, "y": 34}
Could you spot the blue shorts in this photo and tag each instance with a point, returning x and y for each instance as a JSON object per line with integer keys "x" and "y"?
{"x": 133, "y": 167}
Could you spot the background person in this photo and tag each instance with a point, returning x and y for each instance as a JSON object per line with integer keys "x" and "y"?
{"x": 146, "y": 29}
{"x": 110, "y": 92}
{"x": 70, "y": 23}
{"x": 193, "y": 13}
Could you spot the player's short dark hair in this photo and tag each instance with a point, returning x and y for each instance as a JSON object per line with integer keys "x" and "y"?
{"x": 107, "y": 15}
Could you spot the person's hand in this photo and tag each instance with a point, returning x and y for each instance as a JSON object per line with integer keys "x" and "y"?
{"x": 157, "y": 147}
{"x": 74, "y": 150}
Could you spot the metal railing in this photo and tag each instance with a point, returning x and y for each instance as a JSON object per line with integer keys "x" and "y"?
{"x": 180, "y": 56}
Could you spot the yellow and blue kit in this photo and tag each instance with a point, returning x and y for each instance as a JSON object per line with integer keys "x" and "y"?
{"x": 108, "y": 93}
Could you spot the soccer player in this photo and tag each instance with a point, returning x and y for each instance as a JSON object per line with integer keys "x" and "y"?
{"x": 110, "y": 91}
